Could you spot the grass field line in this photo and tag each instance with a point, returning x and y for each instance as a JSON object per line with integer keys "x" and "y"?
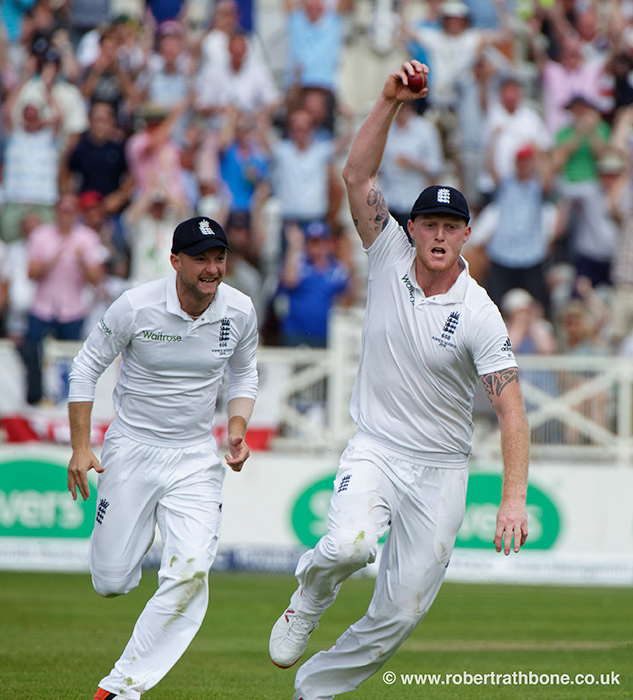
{"x": 514, "y": 645}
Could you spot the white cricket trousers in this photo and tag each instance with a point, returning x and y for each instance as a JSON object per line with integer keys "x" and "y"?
{"x": 424, "y": 507}
{"x": 180, "y": 490}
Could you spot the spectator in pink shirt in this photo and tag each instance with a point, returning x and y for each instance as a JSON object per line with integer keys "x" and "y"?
{"x": 63, "y": 257}
{"x": 154, "y": 157}
{"x": 572, "y": 75}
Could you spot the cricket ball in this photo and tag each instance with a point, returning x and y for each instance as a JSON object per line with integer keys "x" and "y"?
{"x": 417, "y": 81}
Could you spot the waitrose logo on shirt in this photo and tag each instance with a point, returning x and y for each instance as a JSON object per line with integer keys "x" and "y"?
{"x": 157, "y": 335}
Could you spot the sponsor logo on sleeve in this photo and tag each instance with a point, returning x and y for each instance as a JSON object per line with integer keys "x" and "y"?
{"x": 410, "y": 288}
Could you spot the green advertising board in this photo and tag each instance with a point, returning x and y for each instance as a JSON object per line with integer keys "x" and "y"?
{"x": 309, "y": 513}
{"x": 35, "y": 502}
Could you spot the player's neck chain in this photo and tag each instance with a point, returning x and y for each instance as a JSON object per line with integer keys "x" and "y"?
{"x": 196, "y": 316}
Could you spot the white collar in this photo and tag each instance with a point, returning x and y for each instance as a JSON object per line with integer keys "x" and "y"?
{"x": 455, "y": 294}
{"x": 215, "y": 311}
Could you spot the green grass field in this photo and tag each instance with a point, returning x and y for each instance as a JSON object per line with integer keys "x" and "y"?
{"x": 58, "y": 638}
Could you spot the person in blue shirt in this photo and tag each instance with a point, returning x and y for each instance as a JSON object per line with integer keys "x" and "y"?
{"x": 244, "y": 165}
{"x": 11, "y": 16}
{"x": 524, "y": 232}
{"x": 311, "y": 281}
{"x": 315, "y": 42}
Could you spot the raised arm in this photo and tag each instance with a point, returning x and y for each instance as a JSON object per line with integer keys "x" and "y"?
{"x": 290, "y": 274}
{"x": 366, "y": 200}
{"x": 345, "y": 6}
{"x": 504, "y": 393}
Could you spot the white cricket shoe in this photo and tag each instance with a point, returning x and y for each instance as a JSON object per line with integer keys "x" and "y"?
{"x": 289, "y": 638}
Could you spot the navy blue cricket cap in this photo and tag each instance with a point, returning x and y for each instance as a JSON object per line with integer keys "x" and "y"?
{"x": 196, "y": 235}
{"x": 441, "y": 199}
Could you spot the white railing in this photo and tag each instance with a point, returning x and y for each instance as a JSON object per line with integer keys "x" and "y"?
{"x": 315, "y": 397}
{"x": 580, "y": 408}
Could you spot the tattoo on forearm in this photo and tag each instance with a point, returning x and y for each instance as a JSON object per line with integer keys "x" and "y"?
{"x": 496, "y": 382}
{"x": 376, "y": 200}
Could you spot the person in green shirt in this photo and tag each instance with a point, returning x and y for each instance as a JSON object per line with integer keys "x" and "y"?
{"x": 579, "y": 146}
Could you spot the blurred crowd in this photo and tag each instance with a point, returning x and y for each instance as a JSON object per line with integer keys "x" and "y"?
{"x": 122, "y": 117}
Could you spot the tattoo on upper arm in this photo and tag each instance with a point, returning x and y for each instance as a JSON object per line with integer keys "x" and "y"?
{"x": 376, "y": 200}
{"x": 496, "y": 382}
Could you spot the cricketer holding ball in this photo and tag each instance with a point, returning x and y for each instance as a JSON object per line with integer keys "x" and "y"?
{"x": 429, "y": 332}
{"x": 159, "y": 464}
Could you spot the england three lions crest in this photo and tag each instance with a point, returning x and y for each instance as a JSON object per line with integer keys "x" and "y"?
{"x": 205, "y": 228}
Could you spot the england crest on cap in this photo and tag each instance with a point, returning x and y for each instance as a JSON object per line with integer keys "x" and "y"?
{"x": 205, "y": 228}
{"x": 441, "y": 199}
{"x": 195, "y": 235}
{"x": 444, "y": 195}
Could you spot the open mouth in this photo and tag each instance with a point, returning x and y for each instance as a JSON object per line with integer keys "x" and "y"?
{"x": 438, "y": 251}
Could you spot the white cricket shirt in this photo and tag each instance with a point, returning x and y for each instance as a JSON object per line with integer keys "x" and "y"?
{"x": 421, "y": 356}
{"x": 172, "y": 366}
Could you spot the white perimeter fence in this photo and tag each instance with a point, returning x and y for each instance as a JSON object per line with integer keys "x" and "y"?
{"x": 580, "y": 409}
